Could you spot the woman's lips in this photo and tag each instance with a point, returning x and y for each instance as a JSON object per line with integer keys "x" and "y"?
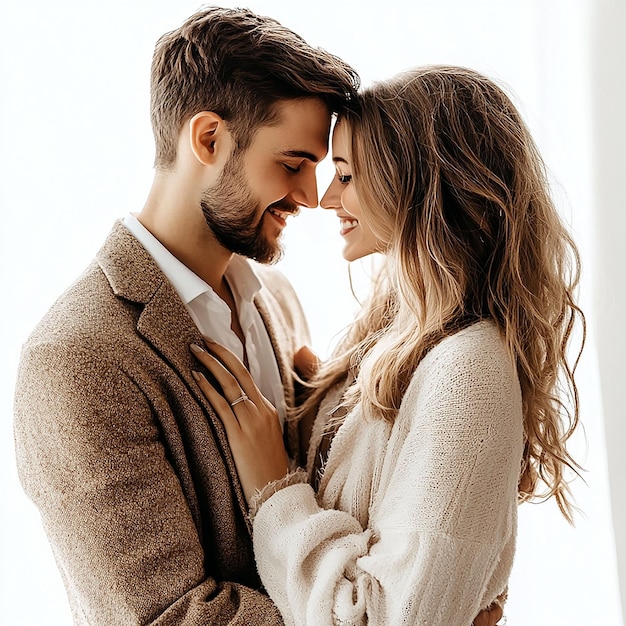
{"x": 347, "y": 225}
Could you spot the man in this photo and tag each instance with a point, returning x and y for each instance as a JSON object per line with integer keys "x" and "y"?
{"x": 126, "y": 462}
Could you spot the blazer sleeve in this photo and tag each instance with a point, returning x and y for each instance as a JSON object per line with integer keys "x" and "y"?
{"x": 90, "y": 456}
{"x": 440, "y": 538}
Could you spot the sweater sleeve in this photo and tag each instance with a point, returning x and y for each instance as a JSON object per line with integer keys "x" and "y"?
{"x": 440, "y": 538}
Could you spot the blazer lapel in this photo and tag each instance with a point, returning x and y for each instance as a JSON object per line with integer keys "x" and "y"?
{"x": 276, "y": 325}
{"x": 164, "y": 323}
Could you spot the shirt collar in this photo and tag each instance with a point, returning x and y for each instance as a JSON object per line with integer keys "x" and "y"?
{"x": 187, "y": 284}
{"x": 242, "y": 278}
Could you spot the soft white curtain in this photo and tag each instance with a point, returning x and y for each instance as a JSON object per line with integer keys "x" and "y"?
{"x": 76, "y": 153}
{"x": 608, "y": 88}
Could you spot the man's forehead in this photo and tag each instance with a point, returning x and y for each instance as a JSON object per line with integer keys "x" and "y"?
{"x": 300, "y": 130}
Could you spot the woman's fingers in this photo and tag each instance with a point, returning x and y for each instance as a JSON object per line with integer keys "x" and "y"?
{"x": 306, "y": 362}
{"x": 236, "y": 382}
{"x": 229, "y": 382}
{"x": 488, "y": 617}
{"x": 236, "y": 368}
{"x": 254, "y": 435}
{"x": 218, "y": 402}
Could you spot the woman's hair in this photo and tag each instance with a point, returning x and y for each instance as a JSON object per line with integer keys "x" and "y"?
{"x": 450, "y": 180}
{"x": 238, "y": 65}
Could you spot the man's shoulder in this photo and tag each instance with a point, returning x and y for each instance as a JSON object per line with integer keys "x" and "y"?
{"x": 277, "y": 287}
{"x": 270, "y": 277}
{"x": 281, "y": 299}
{"x": 87, "y": 308}
{"x": 91, "y": 305}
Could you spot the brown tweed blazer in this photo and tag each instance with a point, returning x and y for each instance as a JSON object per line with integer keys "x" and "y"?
{"x": 126, "y": 461}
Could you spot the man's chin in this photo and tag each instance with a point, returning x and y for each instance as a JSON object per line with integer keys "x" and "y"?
{"x": 270, "y": 251}
{"x": 269, "y": 256}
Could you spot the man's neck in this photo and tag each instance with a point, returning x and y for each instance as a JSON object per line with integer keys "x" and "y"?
{"x": 181, "y": 228}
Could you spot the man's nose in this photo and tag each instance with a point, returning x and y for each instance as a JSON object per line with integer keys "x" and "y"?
{"x": 306, "y": 193}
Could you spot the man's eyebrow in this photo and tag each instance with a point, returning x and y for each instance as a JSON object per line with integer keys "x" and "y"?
{"x": 299, "y": 154}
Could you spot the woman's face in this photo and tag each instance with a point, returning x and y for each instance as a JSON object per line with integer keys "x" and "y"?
{"x": 341, "y": 197}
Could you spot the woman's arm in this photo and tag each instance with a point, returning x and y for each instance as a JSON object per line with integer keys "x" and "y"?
{"x": 440, "y": 538}
{"x": 443, "y": 521}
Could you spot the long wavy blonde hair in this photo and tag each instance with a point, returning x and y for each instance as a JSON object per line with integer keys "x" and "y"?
{"x": 451, "y": 181}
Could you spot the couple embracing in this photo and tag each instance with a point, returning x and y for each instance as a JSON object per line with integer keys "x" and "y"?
{"x": 192, "y": 460}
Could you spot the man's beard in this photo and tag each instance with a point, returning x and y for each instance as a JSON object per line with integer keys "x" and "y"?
{"x": 230, "y": 210}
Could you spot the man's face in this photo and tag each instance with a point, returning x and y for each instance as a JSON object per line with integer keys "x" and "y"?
{"x": 258, "y": 189}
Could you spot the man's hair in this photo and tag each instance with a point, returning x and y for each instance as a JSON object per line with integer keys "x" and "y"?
{"x": 238, "y": 65}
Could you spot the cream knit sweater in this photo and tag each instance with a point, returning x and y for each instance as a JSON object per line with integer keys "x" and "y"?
{"x": 415, "y": 521}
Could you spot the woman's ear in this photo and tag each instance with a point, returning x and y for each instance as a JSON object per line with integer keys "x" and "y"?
{"x": 209, "y": 139}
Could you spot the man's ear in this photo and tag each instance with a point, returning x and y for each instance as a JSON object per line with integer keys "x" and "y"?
{"x": 209, "y": 138}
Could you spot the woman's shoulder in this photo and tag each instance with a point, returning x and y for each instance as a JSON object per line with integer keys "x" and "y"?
{"x": 475, "y": 358}
{"x": 466, "y": 382}
{"x": 481, "y": 343}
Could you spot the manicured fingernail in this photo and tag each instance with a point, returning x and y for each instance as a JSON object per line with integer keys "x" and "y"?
{"x": 197, "y": 375}
{"x": 197, "y": 349}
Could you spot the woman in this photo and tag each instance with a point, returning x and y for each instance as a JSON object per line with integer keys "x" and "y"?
{"x": 444, "y": 393}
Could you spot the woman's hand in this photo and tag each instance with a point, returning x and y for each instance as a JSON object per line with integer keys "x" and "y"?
{"x": 492, "y": 615}
{"x": 250, "y": 420}
{"x": 306, "y": 363}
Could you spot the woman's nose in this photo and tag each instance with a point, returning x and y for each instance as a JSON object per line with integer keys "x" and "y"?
{"x": 332, "y": 197}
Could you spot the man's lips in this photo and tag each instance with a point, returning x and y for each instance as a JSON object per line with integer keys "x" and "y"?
{"x": 281, "y": 212}
{"x": 279, "y": 216}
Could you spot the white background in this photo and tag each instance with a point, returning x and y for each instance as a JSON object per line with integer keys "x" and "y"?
{"x": 76, "y": 153}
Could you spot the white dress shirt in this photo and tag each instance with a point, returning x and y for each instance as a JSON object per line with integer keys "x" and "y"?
{"x": 212, "y": 315}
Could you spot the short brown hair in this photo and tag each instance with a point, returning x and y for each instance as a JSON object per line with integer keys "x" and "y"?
{"x": 238, "y": 65}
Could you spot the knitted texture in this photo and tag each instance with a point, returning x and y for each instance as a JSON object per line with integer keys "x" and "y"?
{"x": 295, "y": 477}
{"x": 415, "y": 521}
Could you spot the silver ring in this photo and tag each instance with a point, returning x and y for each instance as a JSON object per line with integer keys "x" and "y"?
{"x": 241, "y": 398}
